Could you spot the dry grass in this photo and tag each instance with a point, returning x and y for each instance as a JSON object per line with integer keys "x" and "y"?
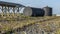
{"x": 9, "y": 23}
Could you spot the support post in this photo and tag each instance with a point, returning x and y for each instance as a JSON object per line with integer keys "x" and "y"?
{"x": 5, "y": 10}
{"x": 5, "y": 13}
{"x": 2, "y": 11}
{"x": 13, "y": 11}
{"x": 17, "y": 11}
{"x": 8, "y": 11}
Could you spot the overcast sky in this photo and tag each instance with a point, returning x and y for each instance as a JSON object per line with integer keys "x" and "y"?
{"x": 39, "y": 3}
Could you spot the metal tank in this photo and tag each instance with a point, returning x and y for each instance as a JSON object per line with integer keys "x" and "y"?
{"x": 37, "y": 11}
{"x": 27, "y": 11}
{"x": 48, "y": 11}
{"x": 32, "y": 11}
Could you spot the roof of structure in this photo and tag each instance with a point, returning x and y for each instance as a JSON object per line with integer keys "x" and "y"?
{"x": 3, "y": 3}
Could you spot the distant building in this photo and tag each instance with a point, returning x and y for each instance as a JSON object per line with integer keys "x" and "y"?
{"x": 58, "y": 15}
{"x": 54, "y": 15}
{"x": 32, "y": 11}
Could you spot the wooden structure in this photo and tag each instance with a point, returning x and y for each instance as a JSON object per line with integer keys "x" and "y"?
{"x": 8, "y": 7}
